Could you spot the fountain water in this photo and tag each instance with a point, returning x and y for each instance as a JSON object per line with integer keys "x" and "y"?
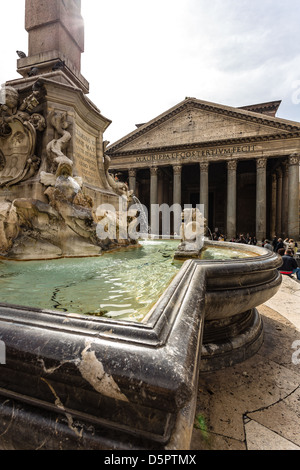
{"x": 143, "y": 216}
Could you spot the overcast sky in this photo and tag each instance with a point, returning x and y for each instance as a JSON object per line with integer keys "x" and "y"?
{"x": 144, "y": 56}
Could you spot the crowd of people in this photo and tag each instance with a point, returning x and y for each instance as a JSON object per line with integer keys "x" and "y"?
{"x": 249, "y": 240}
{"x": 286, "y": 248}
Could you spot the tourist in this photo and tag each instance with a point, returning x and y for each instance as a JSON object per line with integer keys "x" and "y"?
{"x": 279, "y": 245}
{"x": 292, "y": 245}
{"x": 281, "y": 251}
{"x": 241, "y": 239}
{"x": 216, "y": 234}
{"x": 289, "y": 264}
{"x": 268, "y": 245}
{"x": 274, "y": 242}
{"x": 286, "y": 243}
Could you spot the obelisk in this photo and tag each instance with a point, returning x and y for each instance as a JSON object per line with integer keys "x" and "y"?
{"x": 52, "y": 71}
{"x": 55, "y": 41}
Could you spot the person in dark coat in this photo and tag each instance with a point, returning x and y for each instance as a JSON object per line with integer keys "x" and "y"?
{"x": 274, "y": 242}
{"x": 279, "y": 245}
{"x": 289, "y": 264}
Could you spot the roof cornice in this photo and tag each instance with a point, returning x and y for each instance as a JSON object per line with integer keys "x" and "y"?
{"x": 215, "y": 143}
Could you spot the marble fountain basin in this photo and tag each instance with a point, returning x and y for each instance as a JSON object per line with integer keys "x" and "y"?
{"x": 238, "y": 278}
{"x": 72, "y": 380}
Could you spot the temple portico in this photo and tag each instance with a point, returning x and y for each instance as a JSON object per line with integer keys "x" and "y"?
{"x": 248, "y": 181}
{"x": 274, "y": 182}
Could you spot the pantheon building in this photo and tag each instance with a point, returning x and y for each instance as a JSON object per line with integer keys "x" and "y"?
{"x": 242, "y": 164}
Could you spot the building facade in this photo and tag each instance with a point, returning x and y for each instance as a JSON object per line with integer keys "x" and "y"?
{"x": 242, "y": 164}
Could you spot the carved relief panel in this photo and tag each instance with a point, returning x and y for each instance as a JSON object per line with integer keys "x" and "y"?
{"x": 18, "y": 133}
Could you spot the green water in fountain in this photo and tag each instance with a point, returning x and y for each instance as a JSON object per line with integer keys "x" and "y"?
{"x": 123, "y": 285}
{"x": 222, "y": 253}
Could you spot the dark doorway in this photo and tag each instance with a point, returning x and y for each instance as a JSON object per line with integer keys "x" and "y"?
{"x": 246, "y": 198}
{"x": 211, "y": 211}
{"x": 194, "y": 199}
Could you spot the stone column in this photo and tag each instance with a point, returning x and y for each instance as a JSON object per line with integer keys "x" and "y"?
{"x": 204, "y": 194}
{"x": 285, "y": 199}
{"x": 231, "y": 198}
{"x": 160, "y": 187}
{"x": 293, "y": 209}
{"x": 279, "y": 203}
{"x": 177, "y": 169}
{"x": 261, "y": 192}
{"x": 273, "y": 206}
{"x": 166, "y": 188}
{"x": 154, "y": 222}
{"x": 132, "y": 180}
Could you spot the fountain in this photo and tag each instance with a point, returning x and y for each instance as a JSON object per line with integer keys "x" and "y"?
{"x": 81, "y": 372}
{"x": 144, "y": 229}
{"x": 88, "y": 379}
{"x": 238, "y": 278}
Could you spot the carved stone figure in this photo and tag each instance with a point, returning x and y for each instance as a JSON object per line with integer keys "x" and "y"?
{"x": 66, "y": 225}
{"x": 9, "y": 226}
{"x": 120, "y": 188}
{"x": 56, "y": 147}
{"x": 192, "y": 233}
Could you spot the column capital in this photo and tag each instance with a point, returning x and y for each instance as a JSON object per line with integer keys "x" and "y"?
{"x": 132, "y": 172}
{"x": 177, "y": 169}
{"x": 204, "y": 166}
{"x": 294, "y": 159}
{"x": 232, "y": 165}
{"x": 261, "y": 163}
{"x": 153, "y": 170}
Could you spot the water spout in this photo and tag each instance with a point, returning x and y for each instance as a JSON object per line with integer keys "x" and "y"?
{"x": 144, "y": 225}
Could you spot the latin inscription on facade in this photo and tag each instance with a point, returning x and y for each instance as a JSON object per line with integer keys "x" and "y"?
{"x": 85, "y": 152}
{"x": 195, "y": 155}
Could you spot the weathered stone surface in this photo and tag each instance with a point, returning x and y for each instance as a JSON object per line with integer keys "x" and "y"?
{"x": 196, "y": 126}
{"x": 55, "y": 25}
{"x": 98, "y": 384}
{"x": 194, "y": 122}
{"x": 57, "y": 154}
{"x": 253, "y": 405}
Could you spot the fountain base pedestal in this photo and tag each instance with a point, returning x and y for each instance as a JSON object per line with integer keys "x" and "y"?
{"x": 231, "y": 340}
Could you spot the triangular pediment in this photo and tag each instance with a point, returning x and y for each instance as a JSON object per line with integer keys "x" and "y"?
{"x": 196, "y": 122}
